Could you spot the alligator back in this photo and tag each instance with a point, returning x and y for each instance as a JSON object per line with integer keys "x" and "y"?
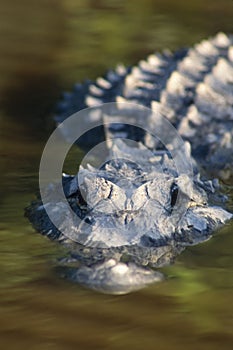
{"x": 193, "y": 88}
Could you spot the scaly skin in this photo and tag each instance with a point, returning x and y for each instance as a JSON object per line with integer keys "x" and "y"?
{"x": 193, "y": 88}
{"x": 131, "y": 213}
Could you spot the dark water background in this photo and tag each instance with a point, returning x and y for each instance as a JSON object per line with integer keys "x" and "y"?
{"x": 45, "y": 46}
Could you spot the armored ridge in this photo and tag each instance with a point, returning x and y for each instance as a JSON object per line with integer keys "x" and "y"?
{"x": 138, "y": 211}
{"x": 192, "y": 88}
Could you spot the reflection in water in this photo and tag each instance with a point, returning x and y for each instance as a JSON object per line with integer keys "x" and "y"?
{"x": 48, "y": 45}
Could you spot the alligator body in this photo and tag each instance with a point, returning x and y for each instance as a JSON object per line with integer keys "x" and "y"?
{"x": 138, "y": 211}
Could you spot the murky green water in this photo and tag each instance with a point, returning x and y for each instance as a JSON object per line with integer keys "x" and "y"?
{"x": 45, "y": 47}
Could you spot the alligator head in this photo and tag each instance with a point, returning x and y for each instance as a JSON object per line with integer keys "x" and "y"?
{"x": 142, "y": 209}
{"x": 127, "y": 204}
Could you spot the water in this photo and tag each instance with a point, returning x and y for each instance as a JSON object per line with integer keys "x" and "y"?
{"x": 45, "y": 47}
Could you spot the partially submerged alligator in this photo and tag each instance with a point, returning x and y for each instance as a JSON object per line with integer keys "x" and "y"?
{"x": 138, "y": 211}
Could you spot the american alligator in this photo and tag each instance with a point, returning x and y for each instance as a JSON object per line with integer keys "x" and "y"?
{"x": 138, "y": 211}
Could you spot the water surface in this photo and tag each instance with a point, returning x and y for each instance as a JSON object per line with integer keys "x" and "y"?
{"x": 45, "y": 47}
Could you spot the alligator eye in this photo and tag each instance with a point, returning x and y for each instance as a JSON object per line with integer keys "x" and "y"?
{"x": 174, "y": 193}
